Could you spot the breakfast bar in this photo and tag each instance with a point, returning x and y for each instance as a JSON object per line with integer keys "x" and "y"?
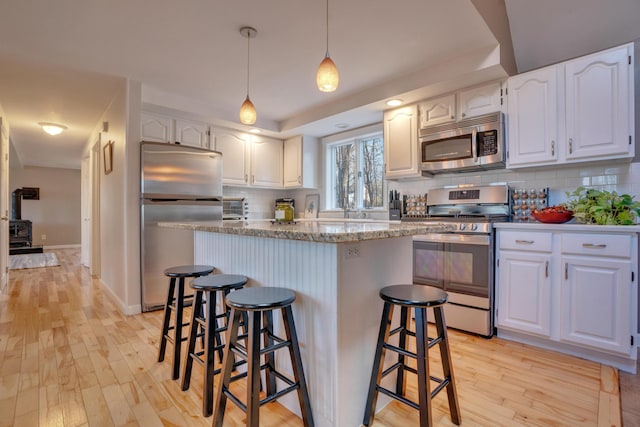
{"x": 336, "y": 269}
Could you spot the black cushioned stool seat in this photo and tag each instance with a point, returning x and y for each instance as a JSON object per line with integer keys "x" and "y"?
{"x": 258, "y": 304}
{"x": 418, "y": 297}
{"x": 176, "y": 302}
{"x": 207, "y": 289}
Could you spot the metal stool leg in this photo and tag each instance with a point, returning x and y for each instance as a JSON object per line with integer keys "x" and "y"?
{"x": 445, "y": 355}
{"x": 298, "y": 371}
{"x": 376, "y": 372}
{"x": 167, "y": 319}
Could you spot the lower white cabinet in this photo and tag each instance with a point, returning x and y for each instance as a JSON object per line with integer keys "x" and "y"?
{"x": 571, "y": 291}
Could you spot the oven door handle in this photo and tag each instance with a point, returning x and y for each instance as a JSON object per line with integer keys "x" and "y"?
{"x": 462, "y": 239}
{"x": 474, "y": 145}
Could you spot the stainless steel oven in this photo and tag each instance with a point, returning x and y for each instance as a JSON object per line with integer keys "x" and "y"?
{"x": 462, "y": 262}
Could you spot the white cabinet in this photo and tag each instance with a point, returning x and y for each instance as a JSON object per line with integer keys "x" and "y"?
{"x": 480, "y": 100}
{"x": 191, "y": 133}
{"x": 599, "y": 97}
{"x": 524, "y": 297}
{"x": 401, "y": 151}
{"x": 596, "y": 295}
{"x": 156, "y": 128}
{"x": 234, "y": 146}
{"x": 161, "y": 128}
{"x": 571, "y": 291}
{"x": 576, "y": 111}
{"x": 437, "y": 110}
{"x": 301, "y": 156}
{"x": 266, "y": 162}
{"x": 532, "y": 118}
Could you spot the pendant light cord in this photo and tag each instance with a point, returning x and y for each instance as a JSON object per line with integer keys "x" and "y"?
{"x": 248, "y": 58}
{"x": 327, "y": 18}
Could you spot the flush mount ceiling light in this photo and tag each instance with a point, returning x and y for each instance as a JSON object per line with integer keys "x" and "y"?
{"x": 247, "y": 110}
{"x": 52, "y": 128}
{"x": 327, "y": 77}
{"x": 394, "y": 102}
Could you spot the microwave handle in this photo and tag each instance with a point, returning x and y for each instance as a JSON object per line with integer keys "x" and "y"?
{"x": 474, "y": 145}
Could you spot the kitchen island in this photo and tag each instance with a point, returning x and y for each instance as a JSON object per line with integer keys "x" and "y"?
{"x": 336, "y": 268}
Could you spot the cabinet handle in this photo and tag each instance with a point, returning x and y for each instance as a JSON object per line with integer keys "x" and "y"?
{"x": 553, "y": 148}
{"x": 524, "y": 242}
{"x": 566, "y": 271}
{"x": 299, "y": 180}
{"x": 570, "y": 145}
{"x": 594, "y": 245}
{"x": 246, "y": 177}
{"x": 546, "y": 269}
{"x": 453, "y": 117}
{"x": 464, "y": 114}
{"x": 4, "y": 218}
{"x": 253, "y": 179}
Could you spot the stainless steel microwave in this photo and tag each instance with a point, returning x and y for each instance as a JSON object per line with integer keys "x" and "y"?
{"x": 467, "y": 145}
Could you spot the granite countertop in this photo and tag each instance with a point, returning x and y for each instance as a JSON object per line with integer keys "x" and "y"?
{"x": 323, "y": 230}
{"x": 568, "y": 226}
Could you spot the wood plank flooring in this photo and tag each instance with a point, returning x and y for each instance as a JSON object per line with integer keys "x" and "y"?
{"x": 68, "y": 357}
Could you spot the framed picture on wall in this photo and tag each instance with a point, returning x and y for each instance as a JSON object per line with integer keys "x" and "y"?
{"x": 311, "y": 205}
{"x": 107, "y": 155}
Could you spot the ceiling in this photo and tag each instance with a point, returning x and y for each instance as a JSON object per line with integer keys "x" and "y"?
{"x": 63, "y": 61}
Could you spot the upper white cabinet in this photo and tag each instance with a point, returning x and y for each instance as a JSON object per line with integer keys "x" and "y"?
{"x": 437, "y": 110}
{"x": 161, "y": 128}
{"x": 156, "y": 128}
{"x": 580, "y": 110}
{"x": 599, "y": 96}
{"x": 234, "y": 146}
{"x": 192, "y": 133}
{"x": 532, "y": 117}
{"x": 301, "y": 155}
{"x": 401, "y": 151}
{"x": 480, "y": 100}
{"x": 266, "y": 162}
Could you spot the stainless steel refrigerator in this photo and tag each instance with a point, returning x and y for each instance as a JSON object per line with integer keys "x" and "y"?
{"x": 178, "y": 183}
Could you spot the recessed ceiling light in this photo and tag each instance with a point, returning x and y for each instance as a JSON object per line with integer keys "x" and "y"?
{"x": 342, "y": 125}
{"x": 394, "y": 102}
{"x": 254, "y": 130}
{"x": 52, "y": 128}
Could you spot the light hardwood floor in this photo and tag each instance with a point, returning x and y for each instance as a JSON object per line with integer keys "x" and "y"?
{"x": 68, "y": 357}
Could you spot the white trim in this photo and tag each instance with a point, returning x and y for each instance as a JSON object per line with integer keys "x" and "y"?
{"x": 124, "y": 309}
{"x": 353, "y": 133}
{"x": 75, "y": 245}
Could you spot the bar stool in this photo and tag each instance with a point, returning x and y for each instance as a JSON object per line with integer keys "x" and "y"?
{"x": 419, "y": 298}
{"x": 207, "y": 288}
{"x": 176, "y": 302}
{"x": 259, "y": 304}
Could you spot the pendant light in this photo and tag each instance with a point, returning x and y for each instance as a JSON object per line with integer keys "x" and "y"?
{"x": 247, "y": 110}
{"x": 327, "y": 77}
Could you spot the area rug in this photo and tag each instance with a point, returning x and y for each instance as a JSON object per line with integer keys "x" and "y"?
{"x": 47, "y": 259}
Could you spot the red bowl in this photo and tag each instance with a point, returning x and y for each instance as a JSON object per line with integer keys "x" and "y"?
{"x": 552, "y": 217}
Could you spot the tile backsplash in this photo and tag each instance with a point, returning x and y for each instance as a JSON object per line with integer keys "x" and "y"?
{"x": 623, "y": 178}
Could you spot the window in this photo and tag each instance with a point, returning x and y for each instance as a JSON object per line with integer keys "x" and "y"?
{"x": 355, "y": 170}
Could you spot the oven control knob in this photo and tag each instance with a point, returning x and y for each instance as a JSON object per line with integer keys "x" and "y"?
{"x": 474, "y": 227}
{"x": 462, "y": 227}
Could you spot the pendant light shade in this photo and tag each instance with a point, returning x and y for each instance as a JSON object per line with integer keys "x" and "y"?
{"x": 327, "y": 77}
{"x": 248, "y": 110}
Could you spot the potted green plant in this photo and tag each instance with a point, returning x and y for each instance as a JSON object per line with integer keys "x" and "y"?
{"x": 591, "y": 206}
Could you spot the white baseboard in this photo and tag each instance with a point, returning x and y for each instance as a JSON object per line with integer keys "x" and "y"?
{"x": 62, "y": 246}
{"x": 124, "y": 309}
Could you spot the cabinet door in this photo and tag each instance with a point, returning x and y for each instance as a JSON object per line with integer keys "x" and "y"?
{"x": 479, "y": 101}
{"x": 266, "y": 162}
{"x": 437, "y": 111}
{"x": 533, "y": 118}
{"x": 401, "y": 151}
{"x": 156, "y": 128}
{"x": 292, "y": 174}
{"x": 192, "y": 133}
{"x": 595, "y": 303}
{"x": 524, "y": 292}
{"x": 599, "y": 100}
{"x": 234, "y": 146}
